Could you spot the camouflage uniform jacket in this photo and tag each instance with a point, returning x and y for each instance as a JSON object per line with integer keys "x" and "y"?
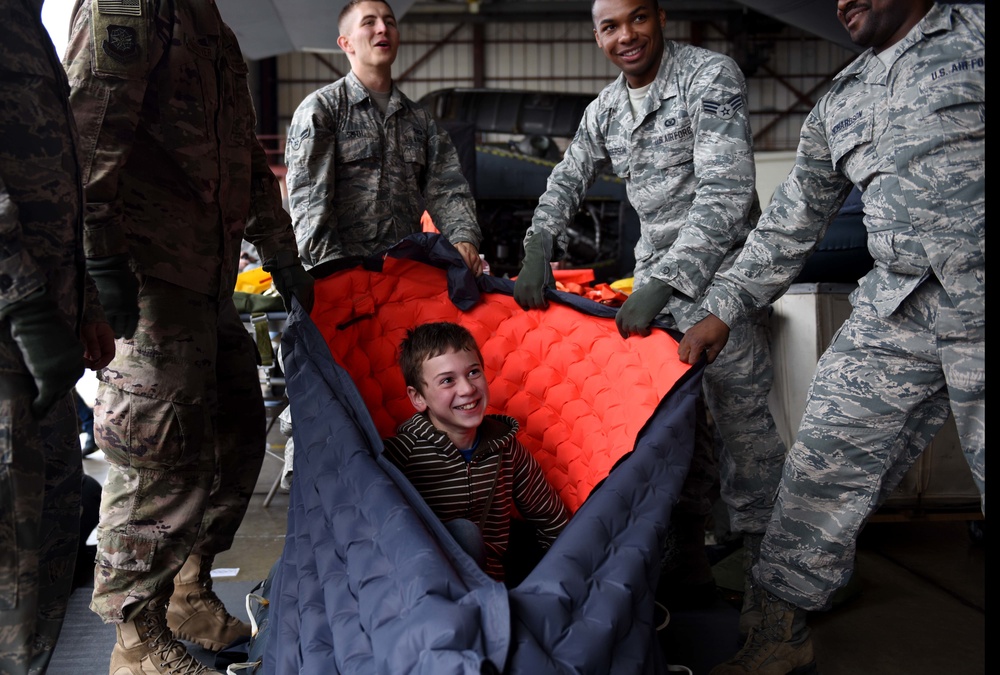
{"x": 687, "y": 162}
{"x": 912, "y": 136}
{"x": 41, "y": 198}
{"x": 358, "y": 183}
{"x": 174, "y": 173}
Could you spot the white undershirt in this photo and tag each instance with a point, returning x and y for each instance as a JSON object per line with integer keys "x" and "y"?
{"x": 381, "y": 99}
{"x": 636, "y": 97}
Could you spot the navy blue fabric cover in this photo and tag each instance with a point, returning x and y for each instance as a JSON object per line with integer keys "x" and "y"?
{"x": 370, "y": 581}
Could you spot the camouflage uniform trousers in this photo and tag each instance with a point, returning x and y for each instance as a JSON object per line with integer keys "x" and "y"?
{"x": 746, "y": 469}
{"x": 880, "y": 394}
{"x": 180, "y": 418}
{"x": 41, "y": 477}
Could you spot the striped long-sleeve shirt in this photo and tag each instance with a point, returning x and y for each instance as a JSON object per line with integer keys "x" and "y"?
{"x": 454, "y": 488}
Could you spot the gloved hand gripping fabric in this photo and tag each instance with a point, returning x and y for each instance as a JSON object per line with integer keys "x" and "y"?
{"x": 642, "y": 307}
{"x": 291, "y": 279}
{"x": 536, "y": 273}
{"x": 51, "y": 350}
{"x": 119, "y": 291}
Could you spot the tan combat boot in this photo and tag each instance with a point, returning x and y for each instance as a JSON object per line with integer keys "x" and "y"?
{"x": 780, "y": 645}
{"x": 146, "y": 647}
{"x": 753, "y": 594}
{"x": 195, "y": 612}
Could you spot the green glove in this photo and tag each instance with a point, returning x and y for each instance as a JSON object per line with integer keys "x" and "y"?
{"x": 291, "y": 279}
{"x": 642, "y": 307}
{"x": 536, "y": 273}
{"x": 50, "y": 349}
{"x": 119, "y": 291}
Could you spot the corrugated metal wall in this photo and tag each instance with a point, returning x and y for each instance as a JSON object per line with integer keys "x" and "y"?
{"x": 553, "y": 56}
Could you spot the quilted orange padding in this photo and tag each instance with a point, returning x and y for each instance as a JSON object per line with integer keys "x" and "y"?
{"x": 579, "y": 391}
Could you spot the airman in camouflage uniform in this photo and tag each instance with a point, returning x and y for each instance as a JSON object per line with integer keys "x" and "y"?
{"x": 359, "y": 176}
{"x": 906, "y": 123}
{"x": 175, "y": 179}
{"x": 685, "y": 151}
{"x": 47, "y": 304}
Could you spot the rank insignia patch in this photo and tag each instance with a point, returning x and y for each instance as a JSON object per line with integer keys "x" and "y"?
{"x": 122, "y": 44}
{"x": 296, "y": 141}
{"x": 726, "y": 110}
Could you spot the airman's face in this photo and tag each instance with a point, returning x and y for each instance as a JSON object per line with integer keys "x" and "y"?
{"x": 370, "y": 36}
{"x": 879, "y": 23}
{"x": 630, "y": 33}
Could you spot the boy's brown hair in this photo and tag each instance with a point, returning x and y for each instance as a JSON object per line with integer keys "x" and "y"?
{"x": 427, "y": 341}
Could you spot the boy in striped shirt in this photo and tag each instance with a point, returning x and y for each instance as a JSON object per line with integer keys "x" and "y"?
{"x": 469, "y": 466}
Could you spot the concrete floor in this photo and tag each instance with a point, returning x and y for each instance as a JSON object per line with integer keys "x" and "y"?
{"x": 920, "y": 606}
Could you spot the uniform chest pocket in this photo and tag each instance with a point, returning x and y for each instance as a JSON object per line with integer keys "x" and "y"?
{"x": 189, "y": 91}
{"x": 673, "y": 153}
{"x": 415, "y": 154}
{"x": 355, "y": 147}
{"x": 956, "y": 112}
{"x": 621, "y": 163}
{"x": 237, "y": 90}
{"x": 413, "y": 147}
{"x": 954, "y": 92}
{"x": 849, "y": 132}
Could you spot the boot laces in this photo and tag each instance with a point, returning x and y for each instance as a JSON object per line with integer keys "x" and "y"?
{"x": 169, "y": 651}
{"x": 754, "y": 651}
{"x": 182, "y": 663}
{"x": 158, "y": 636}
{"x": 213, "y": 601}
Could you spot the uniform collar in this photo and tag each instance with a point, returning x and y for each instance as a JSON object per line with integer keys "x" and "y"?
{"x": 357, "y": 92}
{"x": 870, "y": 68}
{"x": 661, "y": 87}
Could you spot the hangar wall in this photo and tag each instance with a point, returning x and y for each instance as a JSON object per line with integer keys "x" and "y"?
{"x": 788, "y": 68}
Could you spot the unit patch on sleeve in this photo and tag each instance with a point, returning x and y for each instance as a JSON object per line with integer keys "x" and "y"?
{"x": 724, "y": 109}
{"x": 120, "y": 38}
{"x": 122, "y": 44}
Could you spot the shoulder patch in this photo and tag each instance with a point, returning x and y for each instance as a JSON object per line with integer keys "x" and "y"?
{"x": 122, "y": 43}
{"x": 724, "y": 109}
{"x": 296, "y": 141}
{"x": 119, "y": 7}
{"x": 120, "y": 37}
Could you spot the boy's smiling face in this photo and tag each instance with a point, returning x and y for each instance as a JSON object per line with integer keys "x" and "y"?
{"x": 455, "y": 394}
